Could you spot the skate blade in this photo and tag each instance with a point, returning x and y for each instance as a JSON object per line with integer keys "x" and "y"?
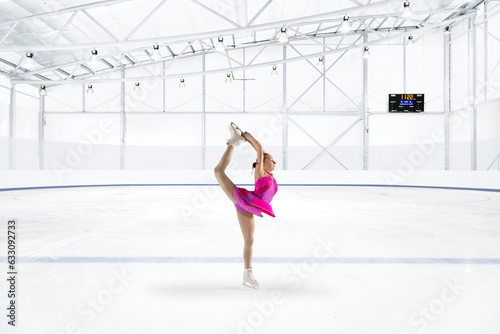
{"x": 251, "y": 287}
{"x": 237, "y": 128}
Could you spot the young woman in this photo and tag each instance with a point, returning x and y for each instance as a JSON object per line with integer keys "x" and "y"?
{"x": 248, "y": 203}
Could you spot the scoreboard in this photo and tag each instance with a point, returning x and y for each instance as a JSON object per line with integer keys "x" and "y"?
{"x": 406, "y": 102}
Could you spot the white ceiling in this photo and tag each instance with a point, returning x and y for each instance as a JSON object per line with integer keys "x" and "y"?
{"x": 62, "y": 33}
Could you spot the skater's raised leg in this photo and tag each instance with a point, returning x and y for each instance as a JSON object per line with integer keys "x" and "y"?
{"x": 220, "y": 173}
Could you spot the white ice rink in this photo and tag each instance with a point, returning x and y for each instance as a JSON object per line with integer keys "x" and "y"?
{"x": 168, "y": 259}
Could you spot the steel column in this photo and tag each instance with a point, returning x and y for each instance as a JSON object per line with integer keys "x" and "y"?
{"x": 473, "y": 90}
{"x": 485, "y": 29}
{"x": 284, "y": 114}
{"x": 365, "y": 110}
{"x": 164, "y": 91}
{"x": 446, "y": 99}
{"x": 12, "y": 128}
{"x": 404, "y": 63}
{"x": 84, "y": 98}
{"x": 123, "y": 125}
{"x": 203, "y": 113}
{"x": 324, "y": 75}
{"x": 41, "y": 134}
{"x": 244, "y": 82}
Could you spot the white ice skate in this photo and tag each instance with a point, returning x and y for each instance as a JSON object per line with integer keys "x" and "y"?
{"x": 237, "y": 128}
{"x": 236, "y": 138}
{"x": 249, "y": 280}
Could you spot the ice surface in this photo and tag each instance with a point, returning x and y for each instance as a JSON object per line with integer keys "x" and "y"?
{"x": 334, "y": 260}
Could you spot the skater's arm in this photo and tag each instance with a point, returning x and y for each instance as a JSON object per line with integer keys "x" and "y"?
{"x": 259, "y": 169}
{"x": 255, "y": 144}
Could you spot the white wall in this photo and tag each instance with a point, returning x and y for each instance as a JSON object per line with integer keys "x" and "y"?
{"x": 4, "y": 123}
{"x": 26, "y": 127}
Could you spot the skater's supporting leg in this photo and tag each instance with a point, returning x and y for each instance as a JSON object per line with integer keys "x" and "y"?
{"x": 247, "y": 225}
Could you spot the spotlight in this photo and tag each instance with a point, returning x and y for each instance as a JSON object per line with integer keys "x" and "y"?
{"x": 447, "y": 30}
{"x": 345, "y": 25}
{"x": 156, "y": 55}
{"x": 29, "y": 62}
{"x": 274, "y": 72}
{"x": 137, "y": 87}
{"x": 410, "y": 41}
{"x": 182, "y": 84}
{"x": 366, "y": 53}
{"x": 220, "y": 45}
{"x": 320, "y": 61}
{"x": 43, "y": 91}
{"x": 407, "y": 12}
{"x": 228, "y": 78}
{"x": 283, "y": 37}
{"x": 90, "y": 90}
{"x": 94, "y": 59}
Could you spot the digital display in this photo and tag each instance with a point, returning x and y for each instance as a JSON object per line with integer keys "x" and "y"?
{"x": 406, "y": 102}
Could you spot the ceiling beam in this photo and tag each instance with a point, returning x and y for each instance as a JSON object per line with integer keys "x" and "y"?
{"x": 216, "y": 13}
{"x": 140, "y": 43}
{"x": 75, "y": 13}
{"x": 258, "y": 14}
{"x": 323, "y": 17}
{"x": 144, "y": 20}
{"x": 396, "y": 35}
{"x": 64, "y": 11}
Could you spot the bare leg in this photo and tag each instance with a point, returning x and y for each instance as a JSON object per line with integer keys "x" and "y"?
{"x": 220, "y": 174}
{"x": 247, "y": 225}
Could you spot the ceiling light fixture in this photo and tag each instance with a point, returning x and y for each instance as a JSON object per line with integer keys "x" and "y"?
{"x": 221, "y": 47}
{"x": 137, "y": 87}
{"x": 283, "y": 37}
{"x": 410, "y": 41}
{"x": 407, "y": 12}
{"x": 274, "y": 72}
{"x": 137, "y": 90}
{"x": 345, "y": 25}
{"x": 29, "y": 62}
{"x": 182, "y": 84}
{"x": 156, "y": 55}
{"x": 90, "y": 90}
{"x": 228, "y": 78}
{"x": 43, "y": 91}
{"x": 320, "y": 61}
{"x": 366, "y": 53}
{"x": 94, "y": 59}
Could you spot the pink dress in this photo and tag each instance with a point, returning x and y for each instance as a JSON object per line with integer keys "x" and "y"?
{"x": 257, "y": 201}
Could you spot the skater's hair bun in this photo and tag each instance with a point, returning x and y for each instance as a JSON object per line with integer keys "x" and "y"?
{"x": 255, "y": 163}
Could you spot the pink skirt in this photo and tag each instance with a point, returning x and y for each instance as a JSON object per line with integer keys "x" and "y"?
{"x": 247, "y": 202}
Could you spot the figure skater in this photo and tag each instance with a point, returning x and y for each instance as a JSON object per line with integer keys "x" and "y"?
{"x": 248, "y": 203}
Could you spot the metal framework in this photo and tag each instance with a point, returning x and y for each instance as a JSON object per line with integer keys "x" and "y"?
{"x": 372, "y": 22}
{"x": 381, "y": 19}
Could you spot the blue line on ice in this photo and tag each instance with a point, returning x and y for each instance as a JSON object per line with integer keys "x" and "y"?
{"x": 343, "y": 260}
